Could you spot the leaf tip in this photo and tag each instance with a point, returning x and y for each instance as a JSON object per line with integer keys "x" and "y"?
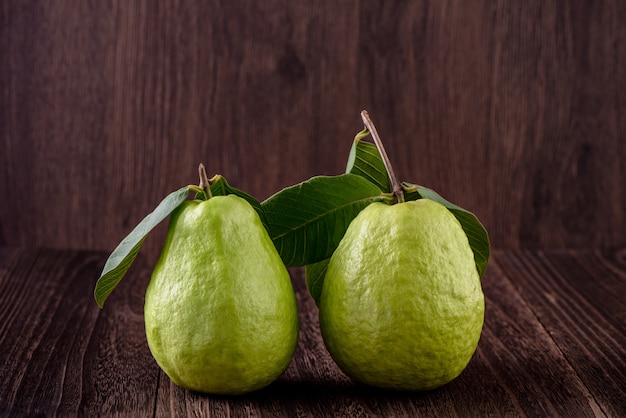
{"x": 99, "y": 301}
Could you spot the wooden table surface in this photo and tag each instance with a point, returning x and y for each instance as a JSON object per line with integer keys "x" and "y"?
{"x": 553, "y": 345}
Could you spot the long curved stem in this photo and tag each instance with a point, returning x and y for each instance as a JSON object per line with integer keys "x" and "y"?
{"x": 396, "y": 188}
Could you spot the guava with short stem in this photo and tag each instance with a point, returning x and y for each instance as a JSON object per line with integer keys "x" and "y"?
{"x": 220, "y": 310}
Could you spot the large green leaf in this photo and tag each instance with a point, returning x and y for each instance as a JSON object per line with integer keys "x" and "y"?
{"x": 123, "y": 256}
{"x": 315, "y": 274}
{"x": 475, "y": 231}
{"x": 307, "y": 220}
{"x": 365, "y": 161}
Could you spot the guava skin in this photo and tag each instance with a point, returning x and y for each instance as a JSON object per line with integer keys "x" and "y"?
{"x": 220, "y": 310}
{"x": 402, "y": 305}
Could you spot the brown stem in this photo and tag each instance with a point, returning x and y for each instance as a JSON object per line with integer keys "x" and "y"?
{"x": 204, "y": 182}
{"x": 396, "y": 188}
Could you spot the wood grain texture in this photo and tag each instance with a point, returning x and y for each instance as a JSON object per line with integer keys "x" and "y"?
{"x": 552, "y": 345}
{"x": 514, "y": 111}
{"x": 60, "y": 356}
{"x": 584, "y": 315}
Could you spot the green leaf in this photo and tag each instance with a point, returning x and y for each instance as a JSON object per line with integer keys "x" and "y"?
{"x": 220, "y": 187}
{"x": 123, "y": 256}
{"x": 365, "y": 161}
{"x": 307, "y": 220}
{"x": 315, "y": 274}
{"x": 475, "y": 231}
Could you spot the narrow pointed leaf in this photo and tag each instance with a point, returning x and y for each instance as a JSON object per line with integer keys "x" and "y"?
{"x": 123, "y": 256}
{"x": 365, "y": 161}
{"x": 475, "y": 231}
{"x": 315, "y": 274}
{"x": 307, "y": 220}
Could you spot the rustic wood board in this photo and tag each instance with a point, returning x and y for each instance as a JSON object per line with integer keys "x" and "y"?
{"x": 552, "y": 345}
{"x": 513, "y": 110}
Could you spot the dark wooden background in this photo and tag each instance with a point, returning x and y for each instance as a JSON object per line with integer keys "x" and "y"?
{"x": 515, "y": 110}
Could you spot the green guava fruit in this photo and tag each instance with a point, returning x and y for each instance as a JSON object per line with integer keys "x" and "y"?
{"x": 220, "y": 310}
{"x": 402, "y": 305}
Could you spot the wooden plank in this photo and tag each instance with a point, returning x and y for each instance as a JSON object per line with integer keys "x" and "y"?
{"x": 9, "y": 256}
{"x": 579, "y": 298}
{"x": 120, "y": 373}
{"x": 61, "y": 354}
{"x": 538, "y": 355}
{"x": 514, "y": 110}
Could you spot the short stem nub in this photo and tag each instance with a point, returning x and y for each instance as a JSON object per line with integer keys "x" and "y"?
{"x": 396, "y": 188}
{"x": 204, "y": 182}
